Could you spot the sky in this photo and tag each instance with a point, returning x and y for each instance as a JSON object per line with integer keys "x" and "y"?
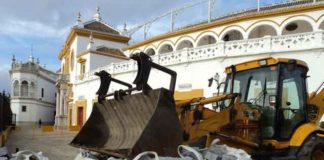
{"x": 45, "y": 24}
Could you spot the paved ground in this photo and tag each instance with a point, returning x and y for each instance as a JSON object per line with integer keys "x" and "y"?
{"x": 54, "y": 145}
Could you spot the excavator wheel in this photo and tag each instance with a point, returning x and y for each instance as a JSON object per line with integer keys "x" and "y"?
{"x": 312, "y": 149}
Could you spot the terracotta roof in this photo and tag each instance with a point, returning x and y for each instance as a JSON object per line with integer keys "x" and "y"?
{"x": 100, "y": 26}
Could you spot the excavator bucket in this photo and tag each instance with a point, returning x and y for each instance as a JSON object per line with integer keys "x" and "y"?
{"x": 129, "y": 123}
{"x": 130, "y": 126}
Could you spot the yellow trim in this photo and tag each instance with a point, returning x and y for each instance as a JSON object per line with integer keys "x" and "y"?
{"x": 70, "y": 114}
{"x": 257, "y": 22}
{"x": 47, "y": 128}
{"x": 319, "y": 18}
{"x": 255, "y": 64}
{"x": 188, "y": 94}
{"x": 213, "y": 34}
{"x": 300, "y": 15}
{"x": 165, "y": 42}
{"x": 201, "y": 27}
{"x": 81, "y": 104}
{"x": 302, "y": 132}
{"x": 151, "y": 46}
{"x": 101, "y": 53}
{"x": 183, "y": 38}
{"x": 72, "y": 55}
{"x": 230, "y": 28}
{"x": 96, "y": 34}
{"x": 81, "y": 60}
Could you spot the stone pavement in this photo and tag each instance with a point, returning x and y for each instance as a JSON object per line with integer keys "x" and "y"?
{"x": 54, "y": 145}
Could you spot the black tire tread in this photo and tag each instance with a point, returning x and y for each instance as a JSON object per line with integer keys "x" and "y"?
{"x": 311, "y": 143}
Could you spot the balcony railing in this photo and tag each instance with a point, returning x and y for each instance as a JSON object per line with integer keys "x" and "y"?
{"x": 293, "y": 42}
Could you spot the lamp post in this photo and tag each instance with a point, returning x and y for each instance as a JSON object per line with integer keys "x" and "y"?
{"x": 214, "y": 78}
{"x": 258, "y": 5}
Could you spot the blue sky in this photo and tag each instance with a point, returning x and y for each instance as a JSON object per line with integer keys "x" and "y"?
{"x": 44, "y": 24}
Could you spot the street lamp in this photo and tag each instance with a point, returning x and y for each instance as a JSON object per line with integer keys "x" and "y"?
{"x": 215, "y": 78}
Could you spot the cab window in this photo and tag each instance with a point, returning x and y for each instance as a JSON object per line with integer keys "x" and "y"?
{"x": 292, "y": 101}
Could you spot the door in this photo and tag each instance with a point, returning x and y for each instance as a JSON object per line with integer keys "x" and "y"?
{"x": 293, "y": 101}
{"x": 80, "y": 116}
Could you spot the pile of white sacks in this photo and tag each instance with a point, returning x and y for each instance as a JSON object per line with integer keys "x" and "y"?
{"x": 21, "y": 155}
{"x": 214, "y": 152}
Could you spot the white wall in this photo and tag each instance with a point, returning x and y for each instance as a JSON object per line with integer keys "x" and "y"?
{"x": 49, "y": 90}
{"x": 198, "y": 73}
{"x": 35, "y": 110}
{"x": 96, "y": 61}
{"x": 37, "y": 107}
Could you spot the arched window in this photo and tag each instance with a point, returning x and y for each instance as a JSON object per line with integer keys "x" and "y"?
{"x": 298, "y": 26}
{"x": 184, "y": 44}
{"x": 72, "y": 60}
{"x": 24, "y": 88}
{"x": 32, "y": 89}
{"x": 165, "y": 49}
{"x": 16, "y": 88}
{"x": 262, "y": 31}
{"x": 321, "y": 26}
{"x": 232, "y": 35}
{"x": 206, "y": 40}
{"x": 150, "y": 52}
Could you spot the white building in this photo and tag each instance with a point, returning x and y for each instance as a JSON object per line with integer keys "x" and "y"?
{"x": 33, "y": 91}
{"x": 290, "y": 30}
{"x": 80, "y": 56}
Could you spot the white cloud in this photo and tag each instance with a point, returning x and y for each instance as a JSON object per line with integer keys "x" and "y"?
{"x": 18, "y": 27}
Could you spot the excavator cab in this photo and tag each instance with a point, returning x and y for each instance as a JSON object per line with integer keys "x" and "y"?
{"x": 275, "y": 98}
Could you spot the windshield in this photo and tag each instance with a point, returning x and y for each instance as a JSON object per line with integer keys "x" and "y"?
{"x": 256, "y": 85}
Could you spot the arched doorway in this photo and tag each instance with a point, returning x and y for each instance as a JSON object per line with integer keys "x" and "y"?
{"x": 298, "y": 26}
{"x": 150, "y": 52}
{"x": 232, "y": 35}
{"x": 184, "y": 44}
{"x": 262, "y": 31}
{"x": 206, "y": 40}
{"x": 166, "y": 48}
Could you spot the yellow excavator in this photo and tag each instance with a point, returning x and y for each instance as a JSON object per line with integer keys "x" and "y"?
{"x": 265, "y": 109}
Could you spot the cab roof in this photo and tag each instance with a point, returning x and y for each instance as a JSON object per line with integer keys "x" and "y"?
{"x": 258, "y": 63}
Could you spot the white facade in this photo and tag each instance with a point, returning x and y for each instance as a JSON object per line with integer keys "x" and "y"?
{"x": 197, "y": 70}
{"x": 33, "y": 92}
{"x": 199, "y": 52}
{"x": 89, "y": 48}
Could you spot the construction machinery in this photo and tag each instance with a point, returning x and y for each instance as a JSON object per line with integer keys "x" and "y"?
{"x": 265, "y": 110}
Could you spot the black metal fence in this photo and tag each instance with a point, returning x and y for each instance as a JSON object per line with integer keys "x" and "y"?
{"x": 7, "y": 118}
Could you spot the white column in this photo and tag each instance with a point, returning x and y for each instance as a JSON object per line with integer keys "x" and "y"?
{"x": 61, "y": 102}
{"x": 65, "y": 103}
{"x": 19, "y": 89}
{"x": 57, "y": 101}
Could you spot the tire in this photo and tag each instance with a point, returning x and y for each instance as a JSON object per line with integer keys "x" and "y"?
{"x": 312, "y": 149}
